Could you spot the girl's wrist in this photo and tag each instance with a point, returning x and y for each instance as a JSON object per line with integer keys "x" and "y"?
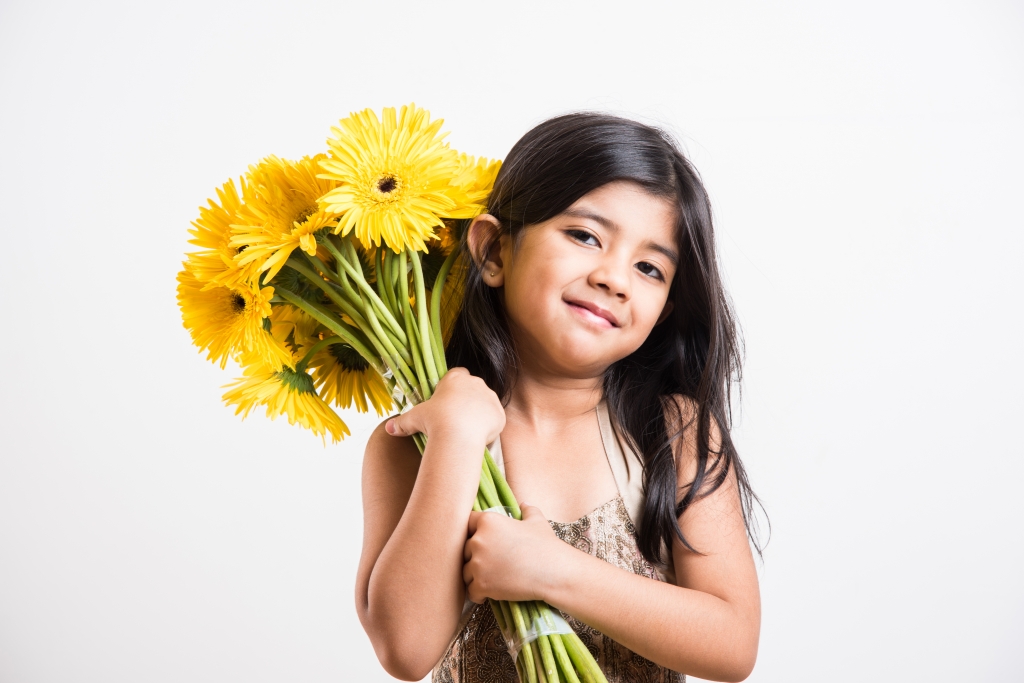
{"x": 455, "y": 448}
{"x": 561, "y": 571}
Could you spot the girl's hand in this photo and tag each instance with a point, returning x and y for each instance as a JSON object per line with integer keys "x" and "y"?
{"x": 508, "y": 559}
{"x": 462, "y": 403}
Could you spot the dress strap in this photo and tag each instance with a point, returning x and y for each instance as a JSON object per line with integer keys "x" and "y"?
{"x": 628, "y": 471}
{"x": 626, "y": 466}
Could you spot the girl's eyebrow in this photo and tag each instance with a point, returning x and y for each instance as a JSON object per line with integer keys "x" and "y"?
{"x": 612, "y": 226}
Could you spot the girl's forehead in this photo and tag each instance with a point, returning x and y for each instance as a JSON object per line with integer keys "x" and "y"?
{"x": 626, "y": 207}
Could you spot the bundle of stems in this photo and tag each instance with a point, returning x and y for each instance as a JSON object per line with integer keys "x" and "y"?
{"x": 383, "y": 311}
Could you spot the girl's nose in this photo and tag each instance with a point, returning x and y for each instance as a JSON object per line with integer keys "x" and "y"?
{"x": 613, "y": 278}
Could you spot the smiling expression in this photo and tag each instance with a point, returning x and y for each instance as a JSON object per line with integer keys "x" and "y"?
{"x": 585, "y": 288}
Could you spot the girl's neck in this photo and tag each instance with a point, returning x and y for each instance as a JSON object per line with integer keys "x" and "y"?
{"x": 548, "y": 401}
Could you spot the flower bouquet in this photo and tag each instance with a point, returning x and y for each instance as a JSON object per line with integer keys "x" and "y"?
{"x": 327, "y": 280}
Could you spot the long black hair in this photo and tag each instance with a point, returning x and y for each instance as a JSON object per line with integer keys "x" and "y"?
{"x": 679, "y": 381}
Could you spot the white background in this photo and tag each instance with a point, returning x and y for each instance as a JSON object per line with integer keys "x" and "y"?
{"x": 865, "y": 164}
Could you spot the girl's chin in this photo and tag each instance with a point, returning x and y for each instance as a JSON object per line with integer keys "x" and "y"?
{"x": 581, "y": 359}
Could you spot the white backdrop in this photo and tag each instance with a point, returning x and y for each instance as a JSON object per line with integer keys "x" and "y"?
{"x": 865, "y": 166}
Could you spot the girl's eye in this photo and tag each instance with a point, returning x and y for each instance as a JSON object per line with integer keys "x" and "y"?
{"x": 650, "y": 270}
{"x": 583, "y": 237}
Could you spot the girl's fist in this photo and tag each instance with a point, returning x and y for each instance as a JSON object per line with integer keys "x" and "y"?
{"x": 461, "y": 403}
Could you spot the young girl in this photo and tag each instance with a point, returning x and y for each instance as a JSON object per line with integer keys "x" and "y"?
{"x": 596, "y": 339}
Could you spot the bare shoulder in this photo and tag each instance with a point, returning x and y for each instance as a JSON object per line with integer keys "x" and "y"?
{"x": 390, "y": 464}
{"x": 391, "y": 449}
{"x": 681, "y": 421}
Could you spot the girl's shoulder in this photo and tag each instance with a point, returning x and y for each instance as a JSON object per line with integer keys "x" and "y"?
{"x": 387, "y": 457}
{"x": 681, "y": 421}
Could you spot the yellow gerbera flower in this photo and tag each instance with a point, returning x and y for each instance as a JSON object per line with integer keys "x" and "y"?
{"x": 344, "y": 377}
{"x": 293, "y": 327}
{"x": 395, "y": 176}
{"x": 281, "y": 212}
{"x": 473, "y": 183}
{"x": 227, "y": 321}
{"x": 215, "y": 264}
{"x": 284, "y": 392}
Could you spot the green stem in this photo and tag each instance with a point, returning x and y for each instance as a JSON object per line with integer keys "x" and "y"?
{"x": 402, "y": 272}
{"x": 327, "y": 319}
{"x": 398, "y": 366}
{"x": 538, "y": 667}
{"x": 331, "y": 292}
{"x": 322, "y": 344}
{"x": 490, "y": 494}
{"x": 321, "y": 266}
{"x": 583, "y": 660}
{"x": 557, "y": 647}
{"x": 504, "y": 491}
{"x": 380, "y": 265}
{"x": 423, "y": 318}
{"x": 355, "y": 265}
{"x": 393, "y": 274}
{"x": 545, "y": 647}
{"x": 352, "y": 308}
{"x": 356, "y": 274}
{"x": 507, "y": 613}
{"x": 435, "y": 307}
{"x": 407, "y": 316}
{"x": 356, "y": 304}
{"x": 518, "y": 620}
{"x": 417, "y": 357}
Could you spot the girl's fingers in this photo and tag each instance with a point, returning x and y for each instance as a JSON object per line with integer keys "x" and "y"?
{"x": 474, "y": 521}
{"x": 405, "y": 424}
{"x": 531, "y": 512}
{"x": 467, "y": 578}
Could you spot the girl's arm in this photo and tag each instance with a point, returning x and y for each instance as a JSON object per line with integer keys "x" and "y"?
{"x": 707, "y": 626}
{"x": 409, "y": 589}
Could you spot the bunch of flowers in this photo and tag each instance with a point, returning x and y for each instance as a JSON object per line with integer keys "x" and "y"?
{"x": 324, "y": 278}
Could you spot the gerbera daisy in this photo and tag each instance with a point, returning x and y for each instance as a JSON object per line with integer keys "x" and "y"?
{"x": 395, "y": 176}
{"x": 344, "y": 377}
{"x": 290, "y": 325}
{"x": 212, "y": 231}
{"x": 284, "y": 392}
{"x": 227, "y": 321}
{"x": 281, "y": 212}
{"x": 473, "y": 183}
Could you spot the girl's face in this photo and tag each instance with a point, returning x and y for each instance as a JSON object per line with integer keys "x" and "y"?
{"x": 586, "y": 288}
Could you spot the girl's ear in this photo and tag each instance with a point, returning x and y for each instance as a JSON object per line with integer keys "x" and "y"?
{"x": 484, "y": 240}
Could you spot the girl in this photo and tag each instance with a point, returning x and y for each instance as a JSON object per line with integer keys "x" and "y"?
{"x": 596, "y": 339}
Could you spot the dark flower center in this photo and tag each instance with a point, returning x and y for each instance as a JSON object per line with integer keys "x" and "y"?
{"x": 305, "y": 214}
{"x": 237, "y": 302}
{"x": 387, "y": 184}
{"x": 348, "y": 357}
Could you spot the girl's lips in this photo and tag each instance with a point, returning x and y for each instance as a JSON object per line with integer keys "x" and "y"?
{"x": 593, "y": 313}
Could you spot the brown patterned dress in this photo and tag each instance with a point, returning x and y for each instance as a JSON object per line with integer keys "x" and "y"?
{"x": 478, "y": 654}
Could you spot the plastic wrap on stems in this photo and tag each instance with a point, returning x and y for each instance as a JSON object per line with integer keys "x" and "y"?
{"x": 538, "y": 625}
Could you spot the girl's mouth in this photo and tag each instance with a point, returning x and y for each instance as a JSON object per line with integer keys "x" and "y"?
{"x": 593, "y": 313}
